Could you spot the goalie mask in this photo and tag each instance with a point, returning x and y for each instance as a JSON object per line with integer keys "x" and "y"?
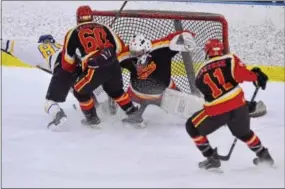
{"x": 140, "y": 47}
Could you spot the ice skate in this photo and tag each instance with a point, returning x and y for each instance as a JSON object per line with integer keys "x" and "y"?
{"x": 212, "y": 161}
{"x": 91, "y": 119}
{"x": 263, "y": 158}
{"x": 134, "y": 117}
{"x": 58, "y": 120}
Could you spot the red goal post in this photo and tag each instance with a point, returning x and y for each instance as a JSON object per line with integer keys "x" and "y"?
{"x": 156, "y": 24}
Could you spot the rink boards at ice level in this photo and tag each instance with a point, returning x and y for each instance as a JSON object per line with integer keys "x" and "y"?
{"x": 161, "y": 155}
{"x": 275, "y": 73}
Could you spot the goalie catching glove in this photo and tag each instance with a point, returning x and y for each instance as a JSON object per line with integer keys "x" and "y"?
{"x": 183, "y": 42}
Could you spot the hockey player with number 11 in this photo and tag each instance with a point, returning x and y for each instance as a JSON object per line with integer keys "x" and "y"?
{"x": 218, "y": 80}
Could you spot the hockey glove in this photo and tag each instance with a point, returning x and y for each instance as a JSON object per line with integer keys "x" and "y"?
{"x": 262, "y": 78}
{"x": 251, "y": 106}
{"x": 46, "y": 39}
{"x": 105, "y": 57}
{"x": 260, "y": 110}
{"x": 183, "y": 42}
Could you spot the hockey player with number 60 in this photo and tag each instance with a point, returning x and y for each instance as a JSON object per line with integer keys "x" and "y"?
{"x": 218, "y": 80}
{"x": 97, "y": 47}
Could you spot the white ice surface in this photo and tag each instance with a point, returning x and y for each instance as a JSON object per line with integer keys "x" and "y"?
{"x": 161, "y": 155}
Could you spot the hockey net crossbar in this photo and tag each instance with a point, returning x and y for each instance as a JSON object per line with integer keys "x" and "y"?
{"x": 156, "y": 24}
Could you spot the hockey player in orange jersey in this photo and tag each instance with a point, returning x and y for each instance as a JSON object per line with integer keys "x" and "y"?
{"x": 97, "y": 46}
{"x": 218, "y": 80}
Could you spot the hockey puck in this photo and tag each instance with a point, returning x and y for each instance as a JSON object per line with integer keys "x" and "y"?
{"x": 74, "y": 106}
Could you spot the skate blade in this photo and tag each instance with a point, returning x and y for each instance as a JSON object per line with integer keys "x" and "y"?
{"x": 264, "y": 164}
{"x": 99, "y": 126}
{"x": 93, "y": 126}
{"x": 141, "y": 125}
{"x": 216, "y": 170}
{"x": 58, "y": 127}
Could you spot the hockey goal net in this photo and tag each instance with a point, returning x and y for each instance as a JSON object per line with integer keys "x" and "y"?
{"x": 157, "y": 24}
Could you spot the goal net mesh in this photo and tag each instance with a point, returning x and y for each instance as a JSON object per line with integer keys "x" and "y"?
{"x": 158, "y": 24}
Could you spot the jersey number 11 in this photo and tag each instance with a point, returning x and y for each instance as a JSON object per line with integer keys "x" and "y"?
{"x": 218, "y": 74}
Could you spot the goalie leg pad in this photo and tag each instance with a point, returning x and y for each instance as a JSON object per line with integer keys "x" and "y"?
{"x": 180, "y": 104}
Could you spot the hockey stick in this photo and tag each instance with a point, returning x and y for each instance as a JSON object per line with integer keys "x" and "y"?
{"x": 43, "y": 69}
{"x": 254, "y": 94}
{"x": 118, "y": 13}
{"x": 112, "y": 104}
{"x": 228, "y": 156}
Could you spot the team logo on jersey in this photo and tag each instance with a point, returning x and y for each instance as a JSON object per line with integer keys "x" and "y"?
{"x": 144, "y": 71}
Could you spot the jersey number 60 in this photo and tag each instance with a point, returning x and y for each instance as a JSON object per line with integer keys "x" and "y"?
{"x": 92, "y": 40}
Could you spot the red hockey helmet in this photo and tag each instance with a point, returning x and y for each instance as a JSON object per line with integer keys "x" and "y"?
{"x": 84, "y": 14}
{"x": 214, "y": 47}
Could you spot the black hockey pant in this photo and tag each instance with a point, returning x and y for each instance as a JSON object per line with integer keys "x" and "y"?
{"x": 110, "y": 77}
{"x": 60, "y": 84}
{"x": 200, "y": 125}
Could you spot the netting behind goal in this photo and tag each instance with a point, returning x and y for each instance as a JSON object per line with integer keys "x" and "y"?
{"x": 158, "y": 24}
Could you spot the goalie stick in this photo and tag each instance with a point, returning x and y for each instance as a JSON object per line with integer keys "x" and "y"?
{"x": 228, "y": 156}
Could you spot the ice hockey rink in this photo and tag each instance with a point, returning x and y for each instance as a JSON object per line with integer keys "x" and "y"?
{"x": 119, "y": 156}
{"x": 160, "y": 155}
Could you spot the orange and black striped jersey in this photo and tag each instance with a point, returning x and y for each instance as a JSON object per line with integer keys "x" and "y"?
{"x": 155, "y": 76}
{"x": 86, "y": 39}
{"x": 219, "y": 80}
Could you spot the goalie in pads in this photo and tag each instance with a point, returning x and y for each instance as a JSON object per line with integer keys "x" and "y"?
{"x": 149, "y": 64}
